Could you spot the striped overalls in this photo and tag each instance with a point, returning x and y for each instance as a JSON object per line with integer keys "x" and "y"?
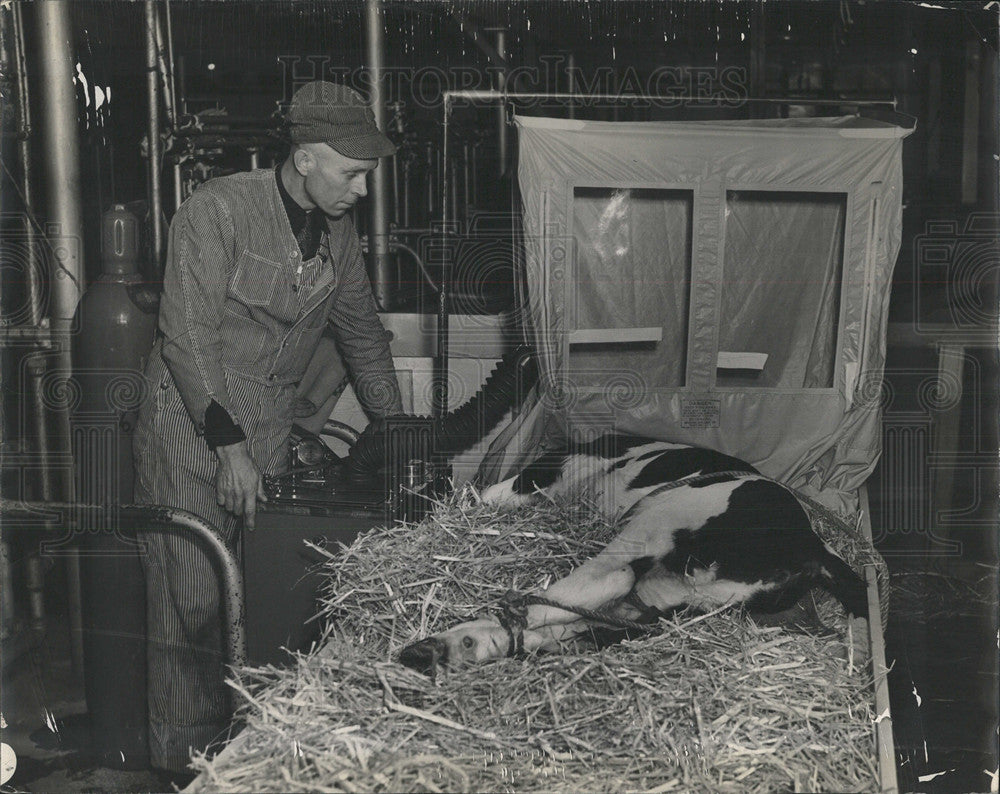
{"x": 240, "y": 318}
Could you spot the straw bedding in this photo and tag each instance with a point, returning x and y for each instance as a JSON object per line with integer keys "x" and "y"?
{"x": 710, "y": 703}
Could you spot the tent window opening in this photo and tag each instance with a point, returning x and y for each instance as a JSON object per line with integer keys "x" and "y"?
{"x": 781, "y": 287}
{"x": 629, "y": 296}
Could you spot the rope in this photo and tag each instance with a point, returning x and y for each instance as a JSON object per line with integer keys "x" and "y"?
{"x": 593, "y": 615}
{"x": 512, "y": 612}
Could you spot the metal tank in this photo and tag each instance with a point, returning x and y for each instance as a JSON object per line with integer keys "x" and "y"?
{"x": 114, "y": 327}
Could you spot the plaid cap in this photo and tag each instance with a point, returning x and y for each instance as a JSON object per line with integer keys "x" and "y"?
{"x": 330, "y": 113}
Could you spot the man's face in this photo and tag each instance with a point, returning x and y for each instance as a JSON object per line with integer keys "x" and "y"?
{"x": 335, "y": 182}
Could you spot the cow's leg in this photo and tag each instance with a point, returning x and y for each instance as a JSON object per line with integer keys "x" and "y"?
{"x": 503, "y": 494}
{"x": 610, "y": 576}
{"x": 593, "y": 585}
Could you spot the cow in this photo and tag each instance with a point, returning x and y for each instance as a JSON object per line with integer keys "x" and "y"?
{"x": 700, "y": 529}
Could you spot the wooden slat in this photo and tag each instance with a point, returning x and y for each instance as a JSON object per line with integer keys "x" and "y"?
{"x": 884, "y": 743}
{"x": 604, "y": 336}
{"x": 734, "y": 360}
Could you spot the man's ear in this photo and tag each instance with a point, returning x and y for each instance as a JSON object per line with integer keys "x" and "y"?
{"x": 304, "y": 161}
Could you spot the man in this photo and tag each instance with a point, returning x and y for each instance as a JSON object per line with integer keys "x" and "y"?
{"x": 258, "y": 265}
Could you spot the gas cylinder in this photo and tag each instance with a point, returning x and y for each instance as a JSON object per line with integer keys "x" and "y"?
{"x": 114, "y": 332}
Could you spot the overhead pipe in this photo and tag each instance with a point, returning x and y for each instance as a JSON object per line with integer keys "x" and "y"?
{"x": 492, "y": 95}
{"x": 153, "y": 150}
{"x": 380, "y": 261}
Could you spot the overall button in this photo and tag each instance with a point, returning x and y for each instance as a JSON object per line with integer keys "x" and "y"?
{"x": 270, "y": 377}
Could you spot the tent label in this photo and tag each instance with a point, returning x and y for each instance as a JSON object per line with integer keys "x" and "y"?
{"x": 701, "y": 413}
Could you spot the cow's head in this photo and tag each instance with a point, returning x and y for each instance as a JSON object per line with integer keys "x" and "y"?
{"x": 468, "y": 643}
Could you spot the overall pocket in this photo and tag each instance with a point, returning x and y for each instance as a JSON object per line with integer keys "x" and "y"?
{"x": 255, "y": 279}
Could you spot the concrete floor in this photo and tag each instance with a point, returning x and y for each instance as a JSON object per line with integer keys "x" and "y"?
{"x": 43, "y": 706}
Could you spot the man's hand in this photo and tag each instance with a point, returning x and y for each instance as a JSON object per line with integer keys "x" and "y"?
{"x": 238, "y": 484}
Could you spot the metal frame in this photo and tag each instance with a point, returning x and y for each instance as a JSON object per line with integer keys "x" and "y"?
{"x": 158, "y": 518}
{"x": 440, "y": 391}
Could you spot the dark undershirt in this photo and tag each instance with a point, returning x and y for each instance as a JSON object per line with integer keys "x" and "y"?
{"x": 220, "y": 429}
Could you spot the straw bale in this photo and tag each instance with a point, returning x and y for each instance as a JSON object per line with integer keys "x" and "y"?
{"x": 709, "y": 703}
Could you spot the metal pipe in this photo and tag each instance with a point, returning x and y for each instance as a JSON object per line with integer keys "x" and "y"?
{"x": 153, "y": 138}
{"x": 466, "y": 183}
{"x": 62, "y": 154}
{"x": 758, "y": 50}
{"x": 492, "y": 95}
{"x": 159, "y": 518}
{"x": 395, "y": 190}
{"x": 396, "y": 231}
{"x": 380, "y": 261}
{"x": 33, "y": 273}
{"x": 35, "y": 581}
{"x": 430, "y": 179}
{"x": 439, "y": 172}
{"x": 475, "y": 173}
{"x": 7, "y": 613}
{"x": 163, "y": 70}
{"x": 502, "y": 111}
{"x": 406, "y": 192}
{"x": 54, "y": 37}
{"x": 440, "y": 394}
{"x": 178, "y": 186}
{"x": 181, "y": 85}
{"x": 453, "y": 192}
{"x": 172, "y": 87}
{"x": 571, "y": 84}
{"x": 398, "y": 246}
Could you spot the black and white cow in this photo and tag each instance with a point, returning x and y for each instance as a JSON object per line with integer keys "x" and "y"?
{"x": 734, "y": 538}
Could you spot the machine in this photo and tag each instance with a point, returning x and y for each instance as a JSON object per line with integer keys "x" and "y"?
{"x": 391, "y": 473}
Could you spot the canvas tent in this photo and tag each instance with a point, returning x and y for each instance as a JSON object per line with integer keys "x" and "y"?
{"x": 720, "y": 283}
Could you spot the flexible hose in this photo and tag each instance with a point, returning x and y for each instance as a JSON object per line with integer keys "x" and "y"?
{"x": 464, "y": 426}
